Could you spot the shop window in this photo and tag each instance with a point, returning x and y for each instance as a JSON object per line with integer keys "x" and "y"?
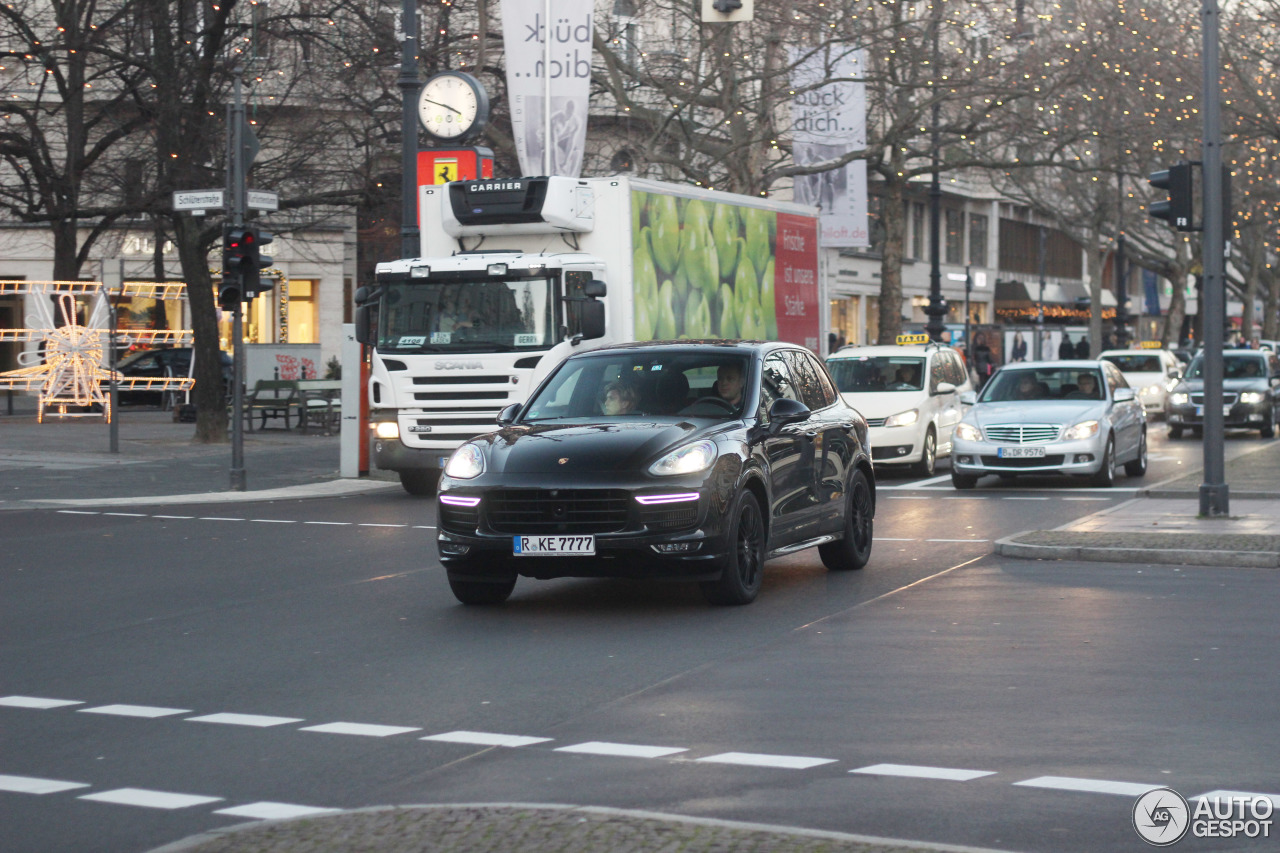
{"x": 299, "y": 317}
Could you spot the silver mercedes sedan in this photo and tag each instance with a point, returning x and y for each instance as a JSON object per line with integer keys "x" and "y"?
{"x": 1051, "y": 417}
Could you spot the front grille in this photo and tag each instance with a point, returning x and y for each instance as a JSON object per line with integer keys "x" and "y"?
{"x": 1050, "y": 461}
{"x": 569, "y": 511}
{"x": 459, "y": 519}
{"x": 463, "y": 395}
{"x": 876, "y": 422}
{"x": 462, "y": 380}
{"x": 1228, "y": 399}
{"x": 1023, "y": 433}
{"x": 671, "y": 519}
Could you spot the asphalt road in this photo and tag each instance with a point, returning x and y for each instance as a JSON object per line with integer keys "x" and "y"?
{"x": 914, "y": 699}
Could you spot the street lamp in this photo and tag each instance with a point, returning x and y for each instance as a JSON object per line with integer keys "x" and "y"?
{"x": 936, "y": 308}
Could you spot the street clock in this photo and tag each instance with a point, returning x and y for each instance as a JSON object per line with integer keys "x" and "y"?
{"x": 453, "y": 106}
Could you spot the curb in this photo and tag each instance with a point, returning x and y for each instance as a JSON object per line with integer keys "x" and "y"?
{"x": 323, "y": 489}
{"x": 193, "y": 843}
{"x": 1164, "y": 494}
{"x": 1010, "y": 547}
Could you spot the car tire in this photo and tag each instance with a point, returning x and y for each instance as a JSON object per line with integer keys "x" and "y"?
{"x": 482, "y": 592}
{"x": 420, "y": 482}
{"x": 1197, "y": 432}
{"x": 743, "y": 566}
{"x": 1137, "y": 467}
{"x": 1106, "y": 476}
{"x": 963, "y": 481}
{"x": 1175, "y": 432}
{"x": 1269, "y": 428}
{"x": 928, "y": 455}
{"x": 853, "y": 550}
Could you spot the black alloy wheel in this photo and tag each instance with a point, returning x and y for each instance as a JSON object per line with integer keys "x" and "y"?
{"x": 743, "y": 570}
{"x": 482, "y": 592}
{"x": 853, "y": 551}
{"x": 1106, "y": 475}
{"x": 928, "y": 455}
{"x": 1137, "y": 467}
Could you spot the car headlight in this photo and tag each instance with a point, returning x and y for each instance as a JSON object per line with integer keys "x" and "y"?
{"x": 1151, "y": 390}
{"x": 689, "y": 459}
{"x": 1084, "y": 429}
{"x": 466, "y": 462}
{"x": 968, "y": 432}
{"x": 1179, "y": 399}
{"x": 906, "y": 418}
{"x": 1252, "y": 397}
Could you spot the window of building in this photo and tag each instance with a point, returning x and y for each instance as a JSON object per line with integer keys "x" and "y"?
{"x": 978, "y": 239}
{"x": 954, "y": 253}
{"x": 917, "y": 231}
{"x": 299, "y": 315}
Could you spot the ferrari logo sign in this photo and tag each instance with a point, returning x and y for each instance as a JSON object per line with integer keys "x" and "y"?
{"x": 445, "y": 170}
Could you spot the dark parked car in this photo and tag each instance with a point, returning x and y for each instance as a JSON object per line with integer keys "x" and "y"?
{"x": 679, "y": 461}
{"x": 1249, "y": 380}
{"x": 162, "y": 364}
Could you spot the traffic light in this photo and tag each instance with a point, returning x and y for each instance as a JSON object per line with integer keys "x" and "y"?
{"x": 238, "y": 246}
{"x": 254, "y": 283}
{"x": 1178, "y": 209}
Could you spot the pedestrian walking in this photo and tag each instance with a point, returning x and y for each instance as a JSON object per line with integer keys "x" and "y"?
{"x": 1066, "y": 349}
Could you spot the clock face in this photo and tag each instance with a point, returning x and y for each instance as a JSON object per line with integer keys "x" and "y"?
{"x": 452, "y": 105}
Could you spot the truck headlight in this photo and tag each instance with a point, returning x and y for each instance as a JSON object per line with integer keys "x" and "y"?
{"x": 968, "y": 432}
{"x": 466, "y": 463}
{"x": 386, "y": 429}
{"x": 1084, "y": 429}
{"x": 906, "y": 418}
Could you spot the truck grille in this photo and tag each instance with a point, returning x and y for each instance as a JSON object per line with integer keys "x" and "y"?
{"x": 570, "y": 511}
{"x": 1023, "y": 433}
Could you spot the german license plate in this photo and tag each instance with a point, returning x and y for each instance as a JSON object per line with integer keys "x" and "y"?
{"x": 444, "y": 460}
{"x": 1019, "y": 452}
{"x": 554, "y": 546}
{"x": 1226, "y": 411}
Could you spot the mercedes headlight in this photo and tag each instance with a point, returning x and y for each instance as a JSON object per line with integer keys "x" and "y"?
{"x": 906, "y": 418}
{"x": 1252, "y": 397}
{"x": 465, "y": 463}
{"x": 968, "y": 432}
{"x": 1084, "y": 429}
{"x": 1151, "y": 390}
{"x": 1179, "y": 399}
{"x": 689, "y": 459}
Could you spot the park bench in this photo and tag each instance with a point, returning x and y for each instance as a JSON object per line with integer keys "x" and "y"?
{"x": 320, "y": 404}
{"x": 273, "y": 399}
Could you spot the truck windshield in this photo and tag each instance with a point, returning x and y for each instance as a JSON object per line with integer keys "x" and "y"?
{"x": 484, "y": 315}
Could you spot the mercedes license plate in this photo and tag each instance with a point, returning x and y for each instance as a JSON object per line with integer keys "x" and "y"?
{"x": 1019, "y": 452}
{"x": 554, "y": 546}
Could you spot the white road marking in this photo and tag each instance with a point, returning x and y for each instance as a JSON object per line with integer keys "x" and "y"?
{"x": 31, "y": 785}
{"x": 333, "y": 523}
{"x": 1093, "y": 786}
{"x": 77, "y": 512}
{"x": 755, "y": 759}
{"x": 255, "y": 720}
{"x": 917, "y": 771}
{"x": 1013, "y": 498}
{"x": 423, "y": 527}
{"x": 176, "y": 517}
{"x": 957, "y": 540}
{"x": 370, "y": 524}
{"x": 273, "y": 811}
{"x": 218, "y": 518}
{"x": 273, "y": 521}
{"x": 919, "y": 483}
{"x": 36, "y": 702}
{"x": 625, "y": 750}
{"x": 150, "y": 799}
{"x": 1248, "y": 795}
{"x": 134, "y": 711}
{"x": 360, "y": 729}
{"x": 486, "y": 739}
{"x": 128, "y": 514}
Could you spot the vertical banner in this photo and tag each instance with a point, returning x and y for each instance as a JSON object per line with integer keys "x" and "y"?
{"x": 828, "y": 121}
{"x": 524, "y": 32}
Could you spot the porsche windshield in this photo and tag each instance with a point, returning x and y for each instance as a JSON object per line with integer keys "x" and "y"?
{"x": 484, "y": 315}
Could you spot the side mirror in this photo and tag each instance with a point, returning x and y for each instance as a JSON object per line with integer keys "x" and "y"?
{"x": 595, "y": 288}
{"x": 1123, "y": 395}
{"x": 508, "y": 415}
{"x": 592, "y": 319}
{"x": 968, "y": 398}
{"x": 364, "y": 322}
{"x": 786, "y": 411}
{"x": 945, "y": 388}
{"x": 362, "y": 294}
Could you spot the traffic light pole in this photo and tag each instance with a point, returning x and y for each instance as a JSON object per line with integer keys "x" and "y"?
{"x": 236, "y": 192}
{"x": 1214, "y": 495}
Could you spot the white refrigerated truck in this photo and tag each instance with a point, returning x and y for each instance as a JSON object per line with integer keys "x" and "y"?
{"x": 517, "y": 273}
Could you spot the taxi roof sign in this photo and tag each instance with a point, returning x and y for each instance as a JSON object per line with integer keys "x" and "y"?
{"x": 1151, "y": 345}
{"x": 908, "y": 340}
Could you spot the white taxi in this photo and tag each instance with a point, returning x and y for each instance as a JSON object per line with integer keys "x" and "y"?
{"x": 910, "y": 396}
{"x": 1151, "y": 372}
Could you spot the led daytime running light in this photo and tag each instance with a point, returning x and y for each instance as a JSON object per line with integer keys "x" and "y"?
{"x": 676, "y": 498}
{"x": 459, "y": 500}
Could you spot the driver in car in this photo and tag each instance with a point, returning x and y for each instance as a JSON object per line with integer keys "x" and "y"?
{"x": 729, "y": 382}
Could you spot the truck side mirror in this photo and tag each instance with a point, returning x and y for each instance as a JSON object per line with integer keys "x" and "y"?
{"x": 592, "y": 319}
{"x": 362, "y": 294}
{"x": 364, "y": 323}
{"x": 595, "y": 288}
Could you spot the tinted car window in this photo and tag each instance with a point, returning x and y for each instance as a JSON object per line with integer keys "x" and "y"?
{"x": 1233, "y": 367}
{"x": 878, "y": 373}
{"x": 1135, "y": 363}
{"x": 812, "y": 391}
{"x": 775, "y": 383}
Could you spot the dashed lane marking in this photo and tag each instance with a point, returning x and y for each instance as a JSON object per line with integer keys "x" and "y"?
{"x": 755, "y": 759}
{"x": 486, "y": 739}
{"x": 31, "y": 785}
{"x": 175, "y": 517}
{"x": 127, "y": 514}
{"x": 330, "y": 523}
{"x": 625, "y": 750}
{"x": 146, "y": 711}
{"x": 1091, "y": 786}
{"x": 36, "y": 702}
{"x": 360, "y": 729}
{"x": 372, "y": 524}
{"x": 273, "y": 811}
{"x": 150, "y": 799}
{"x": 917, "y": 771}
{"x": 218, "y": 518}
{"x": 254, "y": 720}
{"x": 273, "y": 520}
